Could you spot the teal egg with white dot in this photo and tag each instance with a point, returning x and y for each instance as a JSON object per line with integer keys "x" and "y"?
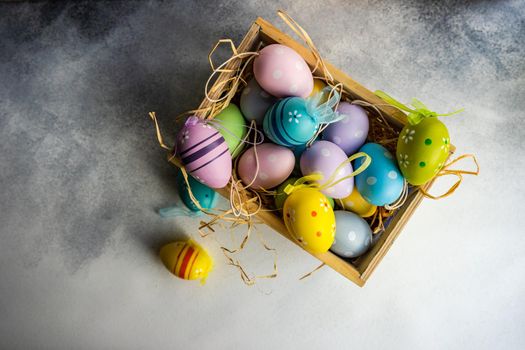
{"x": 205, "y": 195}
{"x": 382, "y": 182}
{"x": 288, "y": 123}
{"x": 353, "y": 236}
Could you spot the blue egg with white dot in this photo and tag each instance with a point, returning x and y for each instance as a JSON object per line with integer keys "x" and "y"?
{"x": 288, "y": 123}
{"x": 381, "y": 183}
{"x": 353, "y": 236}
{"x": 205, "y": 195}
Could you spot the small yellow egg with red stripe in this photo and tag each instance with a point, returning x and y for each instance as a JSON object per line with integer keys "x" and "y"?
{"x": 186, "y": 260}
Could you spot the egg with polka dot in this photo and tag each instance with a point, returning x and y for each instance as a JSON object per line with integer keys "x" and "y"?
{"x": 282, "y": 72}
{"x": 381, "y": 183}
{"x": 351, "y": 132}
{"x": 357, "y": 204}
{"x": 422, "y": 149}
{"x": 353, "y": 236}
{"x": 205, "y": 195}
{"x": 309, "y": 219}
{"x": 324, "y": 158}
{"x": 275, "y": 162}
{"x": 288, "y": 123}
{"x": 255, "y": 102}
{"x": 204, "y": 152}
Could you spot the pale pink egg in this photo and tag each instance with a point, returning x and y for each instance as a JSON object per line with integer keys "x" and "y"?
{"x": 282, "y": 72}
{"x": 276, "y": 163}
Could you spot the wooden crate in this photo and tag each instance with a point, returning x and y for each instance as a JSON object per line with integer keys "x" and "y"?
{"x": 361, "y": 269}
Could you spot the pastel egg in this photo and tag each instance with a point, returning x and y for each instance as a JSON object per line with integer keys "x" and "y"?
{"x": 276, "y": 163}
{"x": 282, "y": 72}
{"x": 422, "y": 149}
{"x": 353, "y": 236}
{"x": 309, "y": 219}
{"x": 186, "y": 260}
{"x": 356, "y": 203}
{"x": 381, "y": 183}
{"x": 204, "y": 153}
{"x": 231, "y": 125}
{"x": 319, "y": 85}
{"x": 287, "y": 123}
{"x": 206, "y": 196}
{"x": 281, "y": 196}
{"x": 324, "y": 157}
{"x": 351, "y": 132}
{"x": 255, "y": 102}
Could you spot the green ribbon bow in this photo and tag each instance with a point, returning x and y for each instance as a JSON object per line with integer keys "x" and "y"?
{"x": 416, "y": 114}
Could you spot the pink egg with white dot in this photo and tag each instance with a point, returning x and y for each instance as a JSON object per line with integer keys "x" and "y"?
{"x": 325, "y": 158}
{"x": 275, "y": 164}
{"x": 282, "y": 72}
{"x": 351, "y": 132}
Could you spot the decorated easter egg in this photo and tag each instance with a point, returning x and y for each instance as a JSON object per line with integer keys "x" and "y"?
{"x": 186, "y": 260}
{"x": 204, "y": 153}
{"x": 281, "y": 196}
{"x": 324, "y": 157}
{"x": 206, "y": 196}
{"x": 356, "y": 203}
{"x": 319, "y": 85}
{"x": 287, "y": 122}
{"x": 255, "y": 102}
{"x": 231, "y": 125}
{"x": 310, "y": 219}
{"x": 422, "y": 149}
{"x": 381, "y": 183}
{"x": 276, "y": 163}
{"x": 282, "y": 72}
{"x": 353, "y": 236}
{"x": 351, "y": 132}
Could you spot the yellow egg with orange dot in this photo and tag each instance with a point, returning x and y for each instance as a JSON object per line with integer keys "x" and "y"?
{"x": 357, "y": 204}
{"x": 186, "y": 260}
{"x": 310, "y": 219}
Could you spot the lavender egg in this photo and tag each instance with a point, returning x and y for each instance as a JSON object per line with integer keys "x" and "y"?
{"x": 204, "y": 153}
{"x": 276, "y": 163}
{"x": 255, "y": 102}
{"x": 324, "y": 157}
{"x": 351, "y": 132}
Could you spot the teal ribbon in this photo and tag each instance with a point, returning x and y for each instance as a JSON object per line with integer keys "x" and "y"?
{"x": 416, "y": 114}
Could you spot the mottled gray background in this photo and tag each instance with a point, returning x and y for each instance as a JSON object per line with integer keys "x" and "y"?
{"x": 81, "y": 175}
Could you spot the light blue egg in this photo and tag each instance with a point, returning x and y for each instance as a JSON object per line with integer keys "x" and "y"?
{"x": 381, "y": 183}
{"x": 206, "y": 196}
{"x": 287, "y": 123}
{"x": 353, "y": 236}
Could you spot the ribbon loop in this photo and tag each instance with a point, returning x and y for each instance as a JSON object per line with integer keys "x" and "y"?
{"x": 416, "y": 114}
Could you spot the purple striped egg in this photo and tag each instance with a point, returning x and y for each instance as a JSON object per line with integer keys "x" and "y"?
{"x": 204, "y": 153}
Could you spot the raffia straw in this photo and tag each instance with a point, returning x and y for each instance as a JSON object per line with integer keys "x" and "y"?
{"x": 446, "y": 171}
{"x": 301, "y": 33}
{"x": 312, "y": 272}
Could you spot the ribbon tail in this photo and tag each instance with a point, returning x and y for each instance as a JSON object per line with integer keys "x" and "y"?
{"x": 392, "y": 101}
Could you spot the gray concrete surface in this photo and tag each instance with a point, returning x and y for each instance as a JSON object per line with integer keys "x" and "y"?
{"x": 81, "y": 175}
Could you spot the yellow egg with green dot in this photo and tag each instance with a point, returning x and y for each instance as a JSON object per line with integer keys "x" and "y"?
{"x": 422, "y": 149}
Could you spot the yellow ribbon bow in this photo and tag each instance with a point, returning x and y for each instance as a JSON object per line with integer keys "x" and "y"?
{"x": 416, "y": 114}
